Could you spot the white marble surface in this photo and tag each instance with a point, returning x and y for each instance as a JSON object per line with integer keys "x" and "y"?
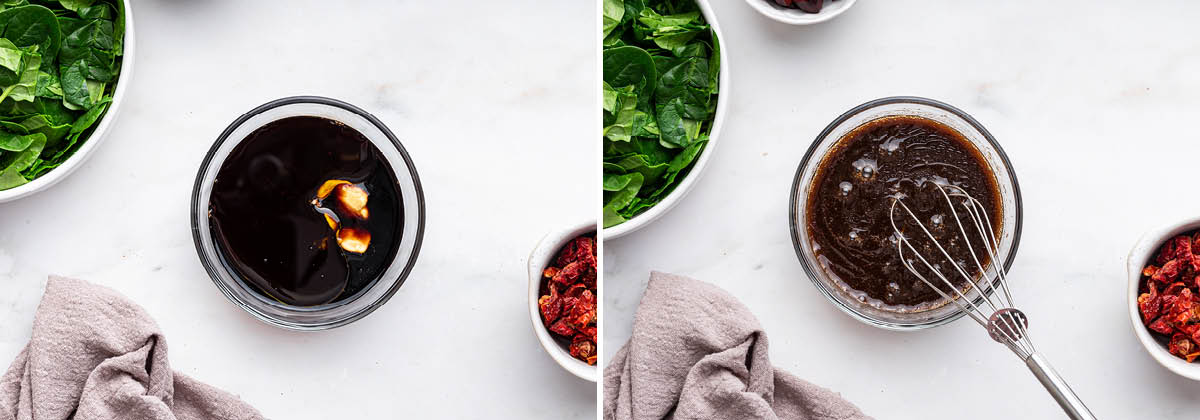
{"x": 496, "y": 103}
{"x": 1094, "y": 101}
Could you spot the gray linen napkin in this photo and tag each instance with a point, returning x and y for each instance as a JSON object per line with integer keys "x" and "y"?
{"x": 697, "y": 353}
{"x": 96, "y": 355}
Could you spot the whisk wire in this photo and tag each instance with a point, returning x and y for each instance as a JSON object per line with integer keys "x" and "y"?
{"x": 1004, "y": 323}
{"x": 902, "y": 240}
{"x": 982, "y": 223}
{"x": 1006, "y": 327}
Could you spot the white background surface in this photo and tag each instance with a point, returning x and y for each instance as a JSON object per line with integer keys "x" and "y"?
{"x": 1095, "y": 102}
{"x": 496, "y": 103}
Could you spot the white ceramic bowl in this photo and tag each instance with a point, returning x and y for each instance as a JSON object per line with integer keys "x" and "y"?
{"x": 669, "y": 202}
{"x": 99, "y": 134}
{"x": 799, "y": 17}
{"x": 1142, "y": 253}
{"x": 546, "y": 250}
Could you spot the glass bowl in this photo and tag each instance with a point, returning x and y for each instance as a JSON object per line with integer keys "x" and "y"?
{"x": 330, "y": 315}
{"x": 1006, "y": 180}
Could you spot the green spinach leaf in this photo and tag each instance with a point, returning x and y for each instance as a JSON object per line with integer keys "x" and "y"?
{"x": 59, "y": 60}
{"x": 661, "y": 72}
{"x": 31, "y": 25}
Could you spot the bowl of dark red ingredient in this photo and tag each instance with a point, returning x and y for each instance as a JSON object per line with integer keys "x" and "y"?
{"x": 800, "y": 12}
{"x": 562, "y": 298}
{"x": 1164, "y": 296}
{"x": 307, "y": 213}
{"x": 841, "y": 228}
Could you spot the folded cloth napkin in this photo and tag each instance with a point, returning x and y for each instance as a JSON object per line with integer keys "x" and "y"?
{"x": 96, "y": 355}
{"x": 697, "y": 353}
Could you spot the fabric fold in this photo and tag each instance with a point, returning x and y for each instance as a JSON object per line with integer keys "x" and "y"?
{"x": 698, "y": 353}
{"x": 96, "y": 355}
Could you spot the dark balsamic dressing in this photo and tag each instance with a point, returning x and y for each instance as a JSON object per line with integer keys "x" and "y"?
{"x": 849, "y": 203}
{"x": 265, "y": 224}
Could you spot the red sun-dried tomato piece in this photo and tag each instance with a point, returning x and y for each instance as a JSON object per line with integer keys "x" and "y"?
{"x": 1167, "y": 301}
{"x": 588, "y": 297}
{"x": 1174, "y": 288}
{"x": 583, "y": 349}
{"x": 1161, "y": 326}
{"x": 1186, "y": 296}
{"x": 584, "y": 312}
{"x": 1180, "y": 345}
{"x": 575, "y": 290}
{"x": 570, "y": 273}
{"x": 587, "y": 251}
{"x": 569, "y": 303}
{"x": 1166, "y": 253}
{"x": 1183, "y": 252}
{"x": 1195, "y": 335}
{"x": 560, "y": 327}
{"x": 1184, "y": 321}
{"x": 1148, "y": 271}
{"x": 550, "y": 272}
{"x": 1183, "y": 248}
{"x": 1148, "y": 304}
{"x": 568, "y": 254}
{"x": 1184, "y": 327}
{"x": 550, "y": 307}
{"x": 1167, "y": 272}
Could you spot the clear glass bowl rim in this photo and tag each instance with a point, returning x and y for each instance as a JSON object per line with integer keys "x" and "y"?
{"x": 212, "y": 267}
{"x": 815, "y": 275}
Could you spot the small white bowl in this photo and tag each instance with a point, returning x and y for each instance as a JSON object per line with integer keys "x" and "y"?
{"x": 1142, "y": 253}
{"x": 669, "y": 202}
{"x": 100, "y": 133}
{"x": 799, "y": 17}
{"x": 545, "y": 251}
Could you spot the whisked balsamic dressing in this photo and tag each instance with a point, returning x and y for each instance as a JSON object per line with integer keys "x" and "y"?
{"x": 849, "y": 202}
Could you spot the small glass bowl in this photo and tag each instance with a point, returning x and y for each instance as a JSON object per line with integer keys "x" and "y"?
{"x": 342, "y": 312}
{"x": 1006, "y": 179}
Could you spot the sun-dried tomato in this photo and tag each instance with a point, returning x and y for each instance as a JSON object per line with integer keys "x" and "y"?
{"x": 1149, "y": 270}
{"x": 583, "y": 349}
{"x": 1148, "y": 303}
{"x": 1160, "y": 325}
{"x": 1174, "y": 313}
{"x": 571, "y": 273}
{"x": 1182, "y": 346}
{"x": 1183, "y": 248}
{"x": 575, "y": 290}
{"x": 561, "y": 327}
{"x": 1167, "y": 272}
{"x": 1183, "y": 252}
{"x": 574, "y": 318}
{"x": 550, "y": 305}
{"x": 1165, "y": 253}
{"x": 1173, "y": 289}
{"x": 590, "y": 332}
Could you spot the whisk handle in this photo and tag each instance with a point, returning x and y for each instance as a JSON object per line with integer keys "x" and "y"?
{"x": 1058, "y": 388}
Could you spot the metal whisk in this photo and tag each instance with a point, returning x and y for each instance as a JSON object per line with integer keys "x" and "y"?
{"x": 993, "y": 309}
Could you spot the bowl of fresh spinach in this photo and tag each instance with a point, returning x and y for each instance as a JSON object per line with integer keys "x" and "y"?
{"x": 664, "y": 75}
{"x": 64, "y": 65}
